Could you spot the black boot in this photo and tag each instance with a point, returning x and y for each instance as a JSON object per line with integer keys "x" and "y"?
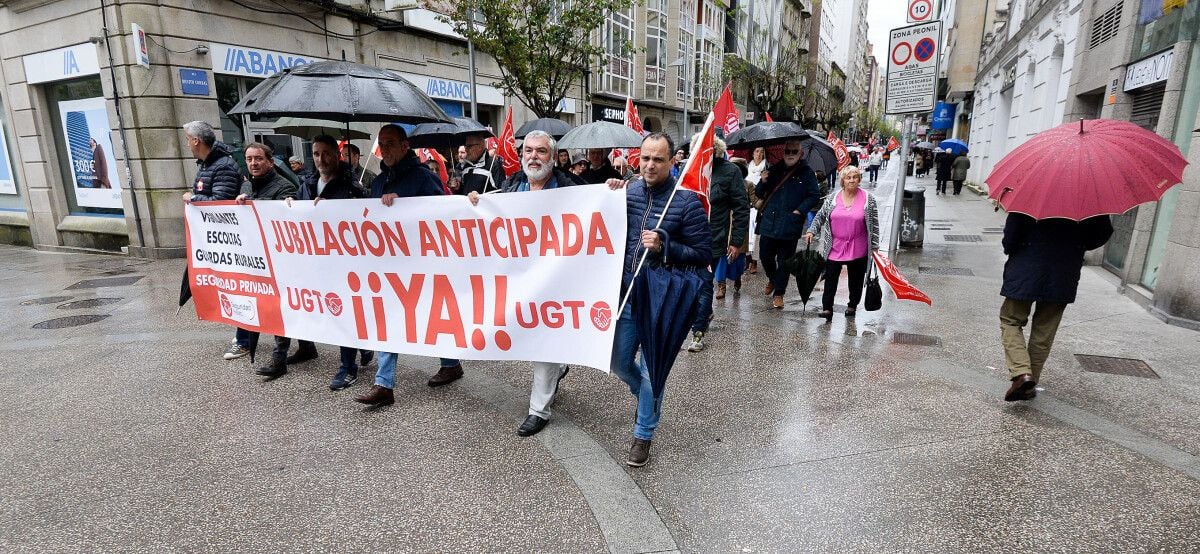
{"x": 273, "y": 370}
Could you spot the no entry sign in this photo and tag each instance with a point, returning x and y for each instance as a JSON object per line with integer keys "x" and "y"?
{"x": 923, "y": 11}
{"x": 913, "y": 67}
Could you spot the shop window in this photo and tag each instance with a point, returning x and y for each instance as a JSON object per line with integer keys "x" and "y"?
{"x": 1161, "y": 24}
{"x": 10, "y": 194}
{"x": 230, "y": 90}
{"x": 83, "y": 137}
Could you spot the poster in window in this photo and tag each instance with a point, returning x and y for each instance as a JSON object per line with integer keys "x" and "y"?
{"x": 8, "y": 184}
{"x": 89, "y": 145}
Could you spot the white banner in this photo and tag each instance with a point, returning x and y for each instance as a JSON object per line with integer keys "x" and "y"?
{"x": 523, "y": 276}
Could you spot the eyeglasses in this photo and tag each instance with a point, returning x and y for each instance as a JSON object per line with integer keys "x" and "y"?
{"x": 790, "y": 151}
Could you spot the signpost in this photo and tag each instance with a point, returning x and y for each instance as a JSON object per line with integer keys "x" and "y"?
{"x": 912, "y": 74}
{"x": 923, "y": 11}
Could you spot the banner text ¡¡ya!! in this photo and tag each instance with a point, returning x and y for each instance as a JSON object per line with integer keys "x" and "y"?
{"x": 522, "y": 276}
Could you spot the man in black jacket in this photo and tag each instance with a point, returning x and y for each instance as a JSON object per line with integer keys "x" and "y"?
{"x": 788, "y": 195}
{"x": 481, "y": 172}
{"x": 729, "y": 221}
{"x": 680, "y": 238}
{"x": 601, "y": 170}
{"x": 217, "y": 178}
{"x": 266, "y": 184}
{"x": 402, "y": 176}
{"x": 332, "y": 180}
{"x": 1045, "y": 258}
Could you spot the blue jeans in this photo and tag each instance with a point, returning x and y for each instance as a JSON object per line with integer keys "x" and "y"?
{"x": 634, "y": 373}
{"x": 242, "y": 337}
{"x": 385, "y": 376}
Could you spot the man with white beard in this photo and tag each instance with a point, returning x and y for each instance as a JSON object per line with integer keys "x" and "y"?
{"x": 538, "y": 172}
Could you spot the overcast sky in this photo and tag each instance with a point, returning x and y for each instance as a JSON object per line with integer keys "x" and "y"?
{"x": 883, "y": 16}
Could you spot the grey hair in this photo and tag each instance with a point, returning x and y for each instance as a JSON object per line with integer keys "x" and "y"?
{"x": 202, "y": 131}
{"x": 543, "y": 135}
{"x": 718, "y": 145}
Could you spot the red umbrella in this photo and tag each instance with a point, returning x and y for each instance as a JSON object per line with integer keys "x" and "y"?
{"x": 1079, "y": 170}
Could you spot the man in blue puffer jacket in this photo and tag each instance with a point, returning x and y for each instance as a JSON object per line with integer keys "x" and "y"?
{"x": 688, "y": 243}
{"x": 790, "y": 193}
{"x": 402, "y": 175}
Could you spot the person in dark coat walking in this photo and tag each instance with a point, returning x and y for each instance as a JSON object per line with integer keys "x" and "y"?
{"x": 333, "y": 180}
{"x": 217, "y": 177}
{"x": 729, "y": 222}
{"x": 265, "y": 184}
{"x": 790, "y": 193}
{"x": 943, "y": 161}
{"x": 958, "y": 171}
{"x": 1045, "y": 258}
{"x": 402, "y": 175}
{"x": 682, "y": 239}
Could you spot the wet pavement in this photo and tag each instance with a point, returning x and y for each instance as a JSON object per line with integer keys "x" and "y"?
{"x": 130, "y": 433}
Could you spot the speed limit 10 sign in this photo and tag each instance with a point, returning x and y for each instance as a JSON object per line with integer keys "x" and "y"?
{"x": 920, "y": 11}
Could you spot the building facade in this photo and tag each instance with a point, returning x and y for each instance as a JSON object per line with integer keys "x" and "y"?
{"x": 76, "y": 100}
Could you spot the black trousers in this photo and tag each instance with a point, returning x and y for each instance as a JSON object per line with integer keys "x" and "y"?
{"x": 772, "y": 253}
{"x": 941, "y": 186}
{"x": 957, "y": 187}
{"x": 833, "y": 272}
{"x": 873, "y": 171}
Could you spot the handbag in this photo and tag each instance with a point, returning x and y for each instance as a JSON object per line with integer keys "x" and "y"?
{"x": 873, "y": 297}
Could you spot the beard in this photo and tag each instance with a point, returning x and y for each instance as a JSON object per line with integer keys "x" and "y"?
{"x": 542, "y": 171}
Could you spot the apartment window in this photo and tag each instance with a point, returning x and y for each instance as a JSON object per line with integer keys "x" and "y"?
{"x": 618, "y": 72}
{"x": 656, "y": 50}
{"x": 687, "y": 41}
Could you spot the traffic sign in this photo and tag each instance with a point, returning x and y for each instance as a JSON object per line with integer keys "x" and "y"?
{"x": 923, "y": 11}
{"x": 913, "y": 68}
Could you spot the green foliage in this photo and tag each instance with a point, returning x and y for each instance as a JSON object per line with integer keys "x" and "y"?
{"x": 774, "y": 88}
{"x": 542, "y": 47}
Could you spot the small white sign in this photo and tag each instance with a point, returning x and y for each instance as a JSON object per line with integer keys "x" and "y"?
{"x": 923, "y": 11}
{"x": 64, "y": 63}
{"x": 912, "y": 72}
{"x": 141, "y": 47}
{"x": 1155, "y": 69}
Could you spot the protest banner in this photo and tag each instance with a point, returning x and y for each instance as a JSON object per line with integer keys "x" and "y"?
{"x": 519, "y": 277}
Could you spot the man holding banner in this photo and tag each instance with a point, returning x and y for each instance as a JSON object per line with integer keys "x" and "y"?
{"x": 537, "y": 173}
{"x": 402, "y": 176}
{"x": 685, "y": 227}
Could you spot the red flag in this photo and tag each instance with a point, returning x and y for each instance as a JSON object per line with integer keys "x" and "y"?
{"x": 769, "y": 120}
{"x": 697, "y": 174}
{"x": 508, "y": 146}
{"x": 726, "y": 113}
{"x": 892, "y": 144}
{"x": 839, "y": 150}
{"x": 426, "y": 154}
{"x": 900, "y": 285}
{"x": 633, "y": 121}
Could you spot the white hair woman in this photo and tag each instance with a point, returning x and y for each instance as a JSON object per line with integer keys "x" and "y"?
{"x": 848, "y": 227}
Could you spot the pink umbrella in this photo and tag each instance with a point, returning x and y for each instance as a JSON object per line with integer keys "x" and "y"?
{"x": 1076, "y": 171}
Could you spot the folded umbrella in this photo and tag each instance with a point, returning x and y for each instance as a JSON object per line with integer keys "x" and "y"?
{"x": 808, "y": 266}
{"x": 553, "y": 127}
{"x": 664, "y": 307}
{"x": 600, "y": 134}
{"x": 765, "y": 133}
{"x": 900, "y": 286}
{"x": 1081, "y": 170}
{"x": 340, "y": 91}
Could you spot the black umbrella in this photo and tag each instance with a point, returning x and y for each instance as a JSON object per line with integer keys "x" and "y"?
{"x": 600, "y": 134}
{"x": 185, "y": 289}
{"x": 438, "y": 135}
{"x": 765, "y": 133}
{"x": 340, "y": 91}
{"x": 664, "y": 307}
{"x": 553, "y": 127}
{"x": 819, "y": 154}
{"x": 808, "y": 266}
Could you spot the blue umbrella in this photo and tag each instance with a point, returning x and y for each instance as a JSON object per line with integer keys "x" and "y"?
{"x": 664, "y": 307}
{"x": 954, "y": 146}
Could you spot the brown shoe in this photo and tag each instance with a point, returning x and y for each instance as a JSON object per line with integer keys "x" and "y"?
{"x": 737, "y": 286}
{"x": 377, "y": 396}
{"x": 446, "y": 375}
{"x": 639, "y": 453}
{"x": 752, "y": 267}
{"x": 777, "y": 302}
{"x": 720, "y": 291}
{"x": 1022, "y": 386}
{"x": 769, "y": 289}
